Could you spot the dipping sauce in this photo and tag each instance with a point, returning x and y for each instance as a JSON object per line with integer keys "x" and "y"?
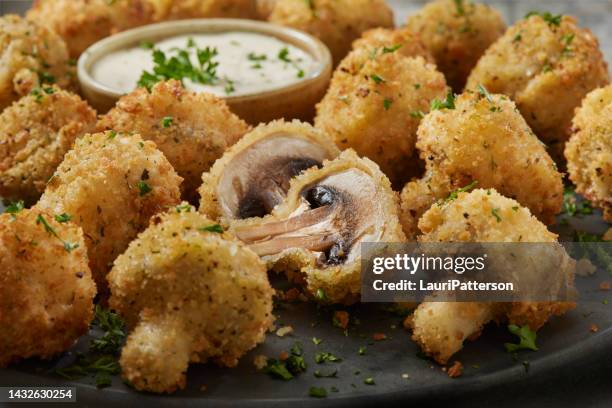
{"x": 231, "y": 63}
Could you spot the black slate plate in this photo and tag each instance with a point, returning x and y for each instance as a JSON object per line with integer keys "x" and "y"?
{"x": 562, "y": 343}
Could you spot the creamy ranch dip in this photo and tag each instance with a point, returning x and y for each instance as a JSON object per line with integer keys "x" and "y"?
{"x": 247, "y": 63}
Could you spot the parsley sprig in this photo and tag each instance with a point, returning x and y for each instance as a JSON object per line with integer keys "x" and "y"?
{"x": 68, "y": 246}
{"x": 527, "y": 339}
{"x": 448, "y": 103}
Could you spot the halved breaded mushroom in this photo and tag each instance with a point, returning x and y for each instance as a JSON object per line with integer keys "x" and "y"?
{"x": 253, "y": 176}
{"x": 318, "y": 230}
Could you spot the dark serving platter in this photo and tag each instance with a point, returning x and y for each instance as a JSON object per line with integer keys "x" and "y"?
{"x": 397, "y": 367}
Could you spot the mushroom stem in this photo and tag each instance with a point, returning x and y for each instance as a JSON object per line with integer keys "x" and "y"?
{"x": 311, "y": 242}
{"x": 270, "y": 229}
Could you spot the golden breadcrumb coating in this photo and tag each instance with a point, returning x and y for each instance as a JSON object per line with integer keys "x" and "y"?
{"x": 335, "y": 22}
{"x": 589, "y": 151}
{"x": 111, "y": 184}
{"x": 251, "y": 167}
{"x": 181, "y": 9}
{"x": 440, "y": 328}
{"x": 374, "y": 105}
{"x": 264, "y": 8}
{"x": 457, "y": 33}
{"x": 483, "y": 139}
{"x": 190, "y": 294}
{"x": 35, "y": 134}
{"x": 31, "y": 55}
{"x": 547, "y": 69}
{"x": 191, "y": 129}
{"x": 81, "y": 23}
{"x": 368, "y": 213}
{"x": 400, "y": 40}
{"x": 46, "y": 290}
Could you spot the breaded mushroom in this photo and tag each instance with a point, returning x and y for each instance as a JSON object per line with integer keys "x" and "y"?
{"x": 335, "y": 22}
{"x": 35, "y": 134}
{"x": 315, "y": 235}
{"x": 589, "y": 150}
{"x": 189, "y": 294}
{"x": 31, "y": 55}
{"x": 253, "y": 176}
{"x": 483, "y": 139}
{"x": 181, "y": 9}
{"x": 46, "y": 290}
{"x": 547, "y": 65}
{"x": 81, "y": 23}
{"x": 111, "y": 184}
{"x": 440, "y": 328}
{"x": 375, "y": 103}
{"x": 457, "y": 33}
{"x": 191, "y": 129}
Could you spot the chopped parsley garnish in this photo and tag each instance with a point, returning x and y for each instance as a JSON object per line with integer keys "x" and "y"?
{"x": 320, "y": 295}
{"x": 369, "y": 381}
{"x": 14, "y": 208}
{"x": 567, "y": 41}
{"x": 179, "y": 67}
{"x": 46, "y": 78}
{"x": 495, "y": 213}
{"x": 112, "y": 134}
{"x": 387, "y": 103}
{"x": 147, "y": 45}
{"x": 417, "y": 114}
{"x": 393, "y": 48}
{"x": 322, "y": 357}
{"x": 261, "y": 57}
{"x": 229, "y": 86}
{"x": 417, "y": 86}
{"x": 62, "y": 218}
{"x": 212, "y": 228}
{"x": 167, "y": 121}
{"x": 144, "y": 188}
{"x": 283, "y": 55}
{"x": 448, "y": 103}
{"x": 454, "y": 194}
{"x": 362, "y": 350}
{"x": 377, "y": 79}
{"x": 316, "y": 341}
{"x": 572, "y": 206}
{"x": 517, "y": 38}
{"x": 285, "y": 370}
{"x": 484, "y": 93}
{"x": 551, "y": 19}
{"x": 50, "y": 230}
{"x": 332, "y": 374}
{"x": 317, "y": 392}
{"x": 183, "y": 208}
{"x": 460, "y": 8}
{"x": 277, "y": 368}
{"x": 103, "y": 352}
{"x": 527, "y": 339}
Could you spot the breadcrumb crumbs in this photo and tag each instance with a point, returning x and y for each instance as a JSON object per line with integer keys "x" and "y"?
{"x": 260, "y": 361}
{"x": 594, "y": 328}
{"x": 341, "y": 318}
{"x": 283, "y": 331}
{"x": 379, "y": 336}
{"x": 605, "y": 285}
{"x": 456, "y": 370}
{"x": 283, "y": 356}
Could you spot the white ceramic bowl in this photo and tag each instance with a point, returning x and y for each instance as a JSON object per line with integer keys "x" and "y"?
{"x": 296, "y": 100}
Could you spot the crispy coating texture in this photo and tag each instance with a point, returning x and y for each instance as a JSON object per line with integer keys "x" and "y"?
{"x": 46, "y": 291}
{"x": 81, "y": 23}
{"x": 440, "y": 328}
{"x": 190, "y": 295}
{"x": 181, "y": 9}
{"x": 30, "y": 55}
{"x": 401, "y": 40}
{"x": 111, "y": 184}
{"x": 264, "y": 8}
{"x": 589, "y": 151}
{"x": 335, "y": 22}
{"x": 339, "y": 283}
{"x": 35, "y": 134}
{"x": 484, "y": 139}
{"x": 547, "y": 70}
{"x": 191, "y": 129}
{"x": 374, "y": 106}
{"x": 457, "y": 33}
{"x": 210, "y": 189}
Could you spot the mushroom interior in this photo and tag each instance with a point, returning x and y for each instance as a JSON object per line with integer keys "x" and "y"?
{"x": 257, "y": 178}
{"x": 332, "y": 217}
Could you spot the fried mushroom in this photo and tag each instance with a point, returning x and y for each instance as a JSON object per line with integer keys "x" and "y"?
{"x": 335, "y": 22}
{"x": 253, "y": 176}
{"x": 547, "y": 65}
{"x": 589, "y": 151}
{"x": 31, "y": 55}
{"x": 316, "y": 233}
{"x": 111, "y": 184}
{"x": 482, "y": 139}
{"x": 457, "y": 33}
{"x": 35, "y": 134}
{"x": 46, "y": 290}
{"x": 375, "y": 102}
{"x": 191, "y": 129}
{"x": 189, "y": 294}
{"x": 440, "y": 328}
